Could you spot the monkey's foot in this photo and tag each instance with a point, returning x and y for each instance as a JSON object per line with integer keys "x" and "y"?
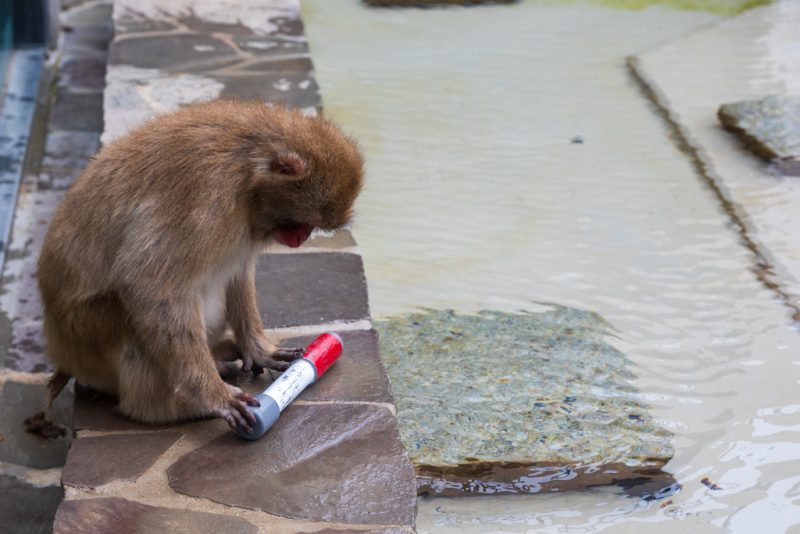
{"x": 41, "y": 426}
{"x": 235, "y": 411}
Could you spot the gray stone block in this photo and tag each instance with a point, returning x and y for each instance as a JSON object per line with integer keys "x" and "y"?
{"x": 20, "y": 400}
{"x": 26, "y": 508}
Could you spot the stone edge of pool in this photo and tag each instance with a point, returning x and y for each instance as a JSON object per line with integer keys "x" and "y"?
{"x": 354, "y": 475}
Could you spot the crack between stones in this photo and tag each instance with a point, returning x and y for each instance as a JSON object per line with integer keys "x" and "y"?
{"x": 763, "y": 268}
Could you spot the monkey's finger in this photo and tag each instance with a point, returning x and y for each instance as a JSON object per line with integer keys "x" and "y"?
{"x": 241, "y": 421}
{"x": 242, "y": 411}
{"x": 247, "y": 363}
{"x": 276, "y": 365}
{"x": 249, "y": 399}
{"x": 288, "y": 354}
{"x": 228, "y": 419}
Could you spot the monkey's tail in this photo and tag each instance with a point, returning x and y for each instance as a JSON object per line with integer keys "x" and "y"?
{"x": 55, "y": 385}
{"x": 40, "y": 423}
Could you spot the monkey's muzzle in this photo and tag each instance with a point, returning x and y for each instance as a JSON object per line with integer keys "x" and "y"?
{"x": 293, "y": 235}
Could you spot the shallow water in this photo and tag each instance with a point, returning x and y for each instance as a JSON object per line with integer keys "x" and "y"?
{"x": 513, "y": 160}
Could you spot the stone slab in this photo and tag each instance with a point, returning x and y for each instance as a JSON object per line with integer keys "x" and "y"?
{"x": 70, "y": 149}
{"x": 308, "y": 289}
{"x": 517, "y": 403}
{"x": 293, "y": 89}
{"x": 95, "y": 411}
{"x": 26, "y": 508}
{"x": 20, "y": 400}
{"x": 739, "y": 59}
{"x": 169, "y": 52}
{"x": 358, "y": 375}
{"x": 77, "y": 111}
{"x": 121, "y": 516}
{"x": 20, "y": 303}
{"x": 94, "y": 461}
{"x": 340, "y": 463}
{"x": 83, "y": 73}
{"x": 770, "y": 127}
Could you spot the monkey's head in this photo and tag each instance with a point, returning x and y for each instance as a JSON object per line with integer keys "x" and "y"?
{"x": 308, "y": 177}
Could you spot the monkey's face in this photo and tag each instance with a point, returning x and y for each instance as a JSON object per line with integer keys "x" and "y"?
{"x": 311, "y": 189}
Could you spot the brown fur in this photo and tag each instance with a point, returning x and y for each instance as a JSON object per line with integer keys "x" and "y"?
{"x": 163, "y": 227}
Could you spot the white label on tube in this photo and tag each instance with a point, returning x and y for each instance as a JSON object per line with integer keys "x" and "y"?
{"x": 291, "y": 383}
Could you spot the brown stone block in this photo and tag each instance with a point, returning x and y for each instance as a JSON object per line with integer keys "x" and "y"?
{"x": 330, "y": 462}
{"x": 307, "y": 289}
{"x": 121, "y": 516}
{"x": 358, "y": 375}
{"x": 95, "y": 461}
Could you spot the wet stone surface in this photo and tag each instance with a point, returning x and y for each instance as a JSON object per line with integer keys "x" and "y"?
{"x": 770, "y": 127}
{"x": 499, "y": 402}
{"x": 334, "y": 461}
{"x": 18, "y": 401}
{"x": 26, "y": 508}
{"x": 255, "y": 50}
{"x": 358, "y": 375}
{"x": 95, "y": 461}
{"x": 96, "y": 411}
{"x": 306, "y": 289}
{"x": 337, "y": 463}
{"x": 121, "y": 515}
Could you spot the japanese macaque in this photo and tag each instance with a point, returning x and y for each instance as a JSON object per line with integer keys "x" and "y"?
{"x": 149, "y": 261}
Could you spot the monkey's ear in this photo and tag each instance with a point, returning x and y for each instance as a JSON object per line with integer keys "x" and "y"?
{"x": 289, "y": 164}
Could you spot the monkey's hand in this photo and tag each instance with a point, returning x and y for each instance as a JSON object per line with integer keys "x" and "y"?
{"x": 233, "y": 409}
{"x": 259, "y": 353}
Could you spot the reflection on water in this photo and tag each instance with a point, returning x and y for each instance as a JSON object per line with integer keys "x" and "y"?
{"x": 479, "y": 198}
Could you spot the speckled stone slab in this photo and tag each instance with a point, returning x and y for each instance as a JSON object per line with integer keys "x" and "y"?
{"x": 340, "y": 463}
{"x": 499, "y": 402}
{"x": 770, "y": 127}
{"x": 96, "y": 460}
{"x": 123, "y": 516}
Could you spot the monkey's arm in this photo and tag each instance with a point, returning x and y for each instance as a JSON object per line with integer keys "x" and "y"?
{"x": 244, "y": 319}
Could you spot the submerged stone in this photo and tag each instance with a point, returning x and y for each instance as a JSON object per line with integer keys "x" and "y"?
{"x": 499, "y": 402}
{"x": 770, "y": 127}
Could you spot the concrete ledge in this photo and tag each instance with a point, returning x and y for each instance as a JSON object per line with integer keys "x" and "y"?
{"x": 334, "y": 462}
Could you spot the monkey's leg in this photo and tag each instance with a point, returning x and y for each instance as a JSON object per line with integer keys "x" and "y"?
{"x": 242, "y": 314}
{"x": 224, "y": 352}
{"x": 170, "y": 375}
